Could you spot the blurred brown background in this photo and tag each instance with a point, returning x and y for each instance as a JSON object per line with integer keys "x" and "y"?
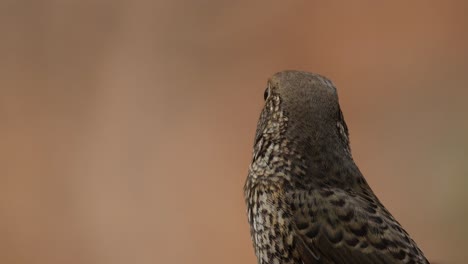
{"x": 127, "y": 126}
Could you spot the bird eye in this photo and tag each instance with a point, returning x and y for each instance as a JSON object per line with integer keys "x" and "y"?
{"x": 266, "y": 94}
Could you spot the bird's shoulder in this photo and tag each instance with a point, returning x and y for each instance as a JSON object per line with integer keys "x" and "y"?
{"x": 348, "y": 226}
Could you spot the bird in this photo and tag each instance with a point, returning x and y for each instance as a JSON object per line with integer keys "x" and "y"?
{"x": 307, "y": 201}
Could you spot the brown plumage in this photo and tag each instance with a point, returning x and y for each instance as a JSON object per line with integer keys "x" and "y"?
{"x": 307, "y": 200}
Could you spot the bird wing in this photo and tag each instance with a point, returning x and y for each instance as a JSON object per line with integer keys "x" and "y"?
{"x": 344, "y": 227}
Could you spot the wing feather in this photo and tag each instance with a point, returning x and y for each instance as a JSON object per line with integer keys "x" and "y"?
{"x": 339, "y": 226}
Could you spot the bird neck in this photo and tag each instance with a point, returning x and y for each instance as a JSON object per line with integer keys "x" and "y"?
{"x": 324, "y": 163}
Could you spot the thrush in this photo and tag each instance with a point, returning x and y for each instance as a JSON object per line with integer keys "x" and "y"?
{"x": 307, "y": 201}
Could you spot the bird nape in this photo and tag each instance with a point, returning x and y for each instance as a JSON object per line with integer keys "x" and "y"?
{"x": 307, "y": 201}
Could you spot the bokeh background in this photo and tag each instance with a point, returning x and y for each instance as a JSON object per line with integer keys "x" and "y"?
{"x": 127, "y": 126}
